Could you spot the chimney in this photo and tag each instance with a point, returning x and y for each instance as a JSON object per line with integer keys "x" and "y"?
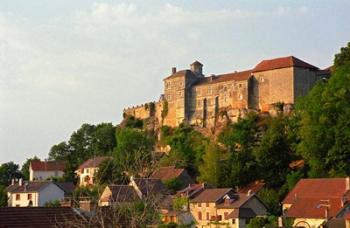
{"x": 12, "y": 181}
{"x": 249, "y": 192}
{"x": 20, "y": 181}
{"x": 347, "y": 183}
{"x": 197, "y": 68}
{"x": 173, "y": 70}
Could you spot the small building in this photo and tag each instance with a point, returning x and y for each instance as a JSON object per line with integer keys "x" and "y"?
{"x": 45, "y": 170}
{"x": 87, "y": 171}
{"x": 222, "y": 207}
{"x": 172, "y": 173}
{"x": 312, "y": 202}
{"x": 138, "y": 189}
{"x": 33, "y": 193}
{"x": 252, "y": 187}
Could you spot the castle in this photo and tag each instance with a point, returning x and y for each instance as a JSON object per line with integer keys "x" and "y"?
{"x": 191, "y": 97}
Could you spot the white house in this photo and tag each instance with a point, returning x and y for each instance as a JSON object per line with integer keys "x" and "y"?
{"x": 44, "y": 170}
{"x": 33, "y": 193}
{"x": 87, "y": 171}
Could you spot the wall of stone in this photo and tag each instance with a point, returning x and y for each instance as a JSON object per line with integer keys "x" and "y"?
{"x": 275, "y": 86}
{"x": 141, "y": 111}
{"x": 304, "y": 79}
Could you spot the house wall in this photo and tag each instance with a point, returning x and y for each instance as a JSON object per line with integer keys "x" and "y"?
{"x": 44, "y": 175}
{"x": 308, "y": 222}
{"x": 104, "y": 199}
{"x": 87, "y": 172}
{"x": 23, "y": 201}
{"x": 50, "y": 193}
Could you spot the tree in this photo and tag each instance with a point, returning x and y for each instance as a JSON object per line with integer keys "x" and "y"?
{"x": 110, "y": 172}
{"x": 3, "y": 196}
{"x": 8, "y": 171}
{"x": 59, "y": 152}
{"x": 273, "y": 155}
{"x": 325, "y": 120}
{"x": 134, "y": 151}
{"x": 271, "y": 199}
{"x": 25, "y": 167}
{"x": 210, "y": 168}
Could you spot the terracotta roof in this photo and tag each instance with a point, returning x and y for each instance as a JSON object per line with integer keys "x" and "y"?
{"x": 212, "y": 195}
{"x": 321, "y": 188}
{"x": 253, "y": 187}
{"x": 191, "y": 190}
{"x": 309, "y": 208}
{"x": 309, "y": 193}
{"x": 31, "y": 186}
{"x": 93, "y": 162}
{"x": 48, "y": 165}
{"x": 67, "y": 187}
{"x": 168, "y": 173}
{"x": 38, "y": 217}
{"x": 122, "y": 193}
{"x": 235, "y": 76}
{"x": 283, "y": 62}
{"x": 150, "y": 186}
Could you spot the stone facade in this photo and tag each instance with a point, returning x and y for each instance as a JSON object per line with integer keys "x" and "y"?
{"x": 190, "y": 97}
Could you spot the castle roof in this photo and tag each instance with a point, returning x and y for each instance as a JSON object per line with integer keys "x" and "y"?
{"x": 235, "y": 76}
{"x": 181, "y": 73}
{"x": 282, "y": 62}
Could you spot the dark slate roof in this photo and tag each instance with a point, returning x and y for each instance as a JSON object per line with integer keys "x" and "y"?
{"x": 31, "y": 186}
{"x": 241, "y": 213}
{"x": 67, "y": 187}
{"x": 48, "y": 165}
{"x": 39, "y": 217}
{"x": 150, "y": 186}
{"x": 283, "y": 62}
{"x": 122, "y": 193}
{"x": 212, "y": 195}
{"x": 93, "y": 162}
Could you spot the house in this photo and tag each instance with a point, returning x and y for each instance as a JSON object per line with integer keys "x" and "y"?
{"x": 312, "y": 202}
{"x": 45, "y": 170}
{"x": 87, "y": 171}
{"x": 40, "y": 217}
{"x": 180, "y": 213}
{"x": 223, "y": 207}
{"x": 138, "y": 189}
{"x": 170, "y": 173}
{"x": 33, "y": 193}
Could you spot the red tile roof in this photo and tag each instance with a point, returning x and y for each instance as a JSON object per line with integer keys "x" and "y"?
{"x": 309, "y": 193}
{"x": 253, "y": 187}
{"x": 48, "y": 165}
{"x": 167, "y": 173}
{"x": 283, "y": 62}
{"x": 212, "y": 195}
{"x": 39, "y": 217}
{"x": 93, "y": 162}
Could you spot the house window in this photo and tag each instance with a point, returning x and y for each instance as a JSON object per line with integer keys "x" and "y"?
{"x": 208, "y": 216}
{"x": 29, "y": 196}
{"x": 17, "y": 205}
{"x": 239, "y": 85}
{"x": 199, "y": 215}
{"x": 18, "y": 196}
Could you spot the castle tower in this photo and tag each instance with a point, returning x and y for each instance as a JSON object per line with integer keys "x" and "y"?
{"x": 197, "y": 68}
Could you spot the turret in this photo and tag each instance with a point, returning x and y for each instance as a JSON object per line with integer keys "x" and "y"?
{"x": 197, "y": 68}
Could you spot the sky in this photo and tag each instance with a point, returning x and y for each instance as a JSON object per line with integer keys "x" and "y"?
{"x": 64, "y": 63}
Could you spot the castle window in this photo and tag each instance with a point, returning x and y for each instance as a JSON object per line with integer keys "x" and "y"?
{"x": 239, "y": 85}
{"x": 209, "y": 90}
{"x": 169, "y": 97}
{"x": 179, "y": 93}
{"x": 240, "y": 97}
{"x": 262, "y": 79}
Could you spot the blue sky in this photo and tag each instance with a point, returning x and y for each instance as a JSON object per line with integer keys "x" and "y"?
{"x": 64, "y": 63}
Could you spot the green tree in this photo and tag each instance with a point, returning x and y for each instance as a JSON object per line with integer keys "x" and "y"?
{"x": 271, "y": 199}
{"x": 325, "y": 120}
{"x": 134, "y": 150}
{"x": 8, "y": 171}
{"x": 3, "y": 196}
{"x": 110, "y": 172}
{"x": 210, "y": 168}
{"x": 25, "y": 167}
